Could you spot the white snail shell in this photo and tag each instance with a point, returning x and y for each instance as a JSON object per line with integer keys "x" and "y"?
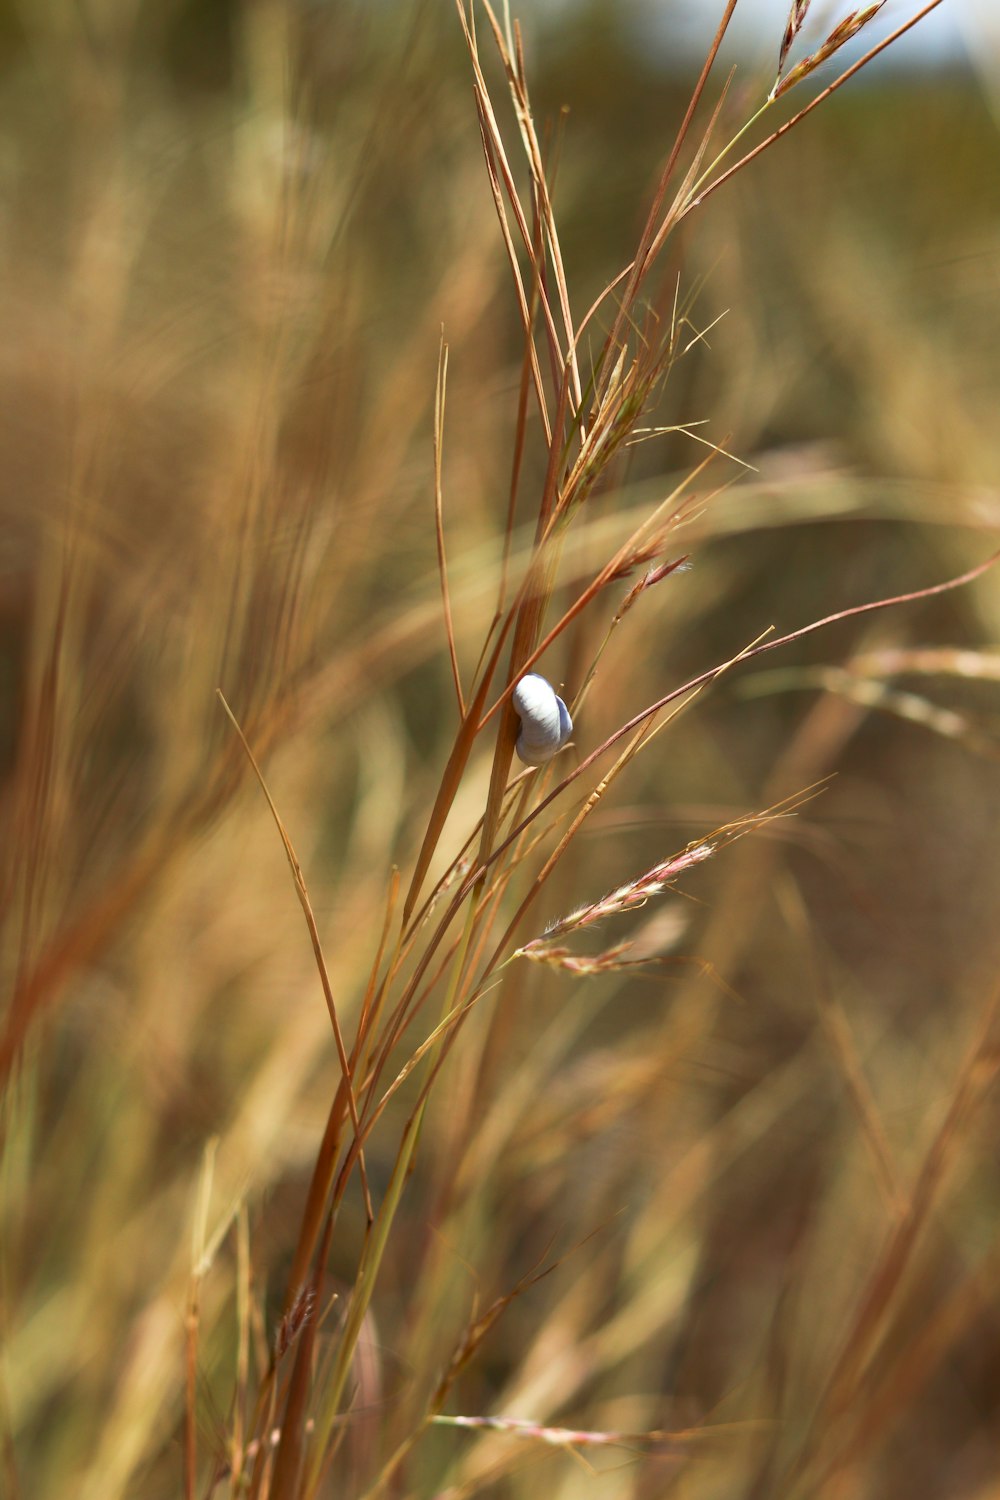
{"x": 545, "y": 721}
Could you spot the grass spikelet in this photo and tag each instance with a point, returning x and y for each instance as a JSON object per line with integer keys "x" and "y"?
{"x": 634, "y": 894}
{"x": 844, "y": 32}
{"x": 796, "y": 19}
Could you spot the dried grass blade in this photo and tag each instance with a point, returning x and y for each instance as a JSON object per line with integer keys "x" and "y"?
{"x": 439, "y": 400}
{"x": 938, "y": 1333}
{"x": 527, "y": 319}
{"x": 307, "y": 911}
{"x": 517, "y": 454}
{"x": 673, "y": 214}
{"x": 192, "y": 1319}
{"x": 880, "y": 696}
{"x": 840, "y": 1039}
{"x": 977, "y": 1074}
{"x": 370, "y": 1004}
{"x": 529, "y": 136}
{"x": 324, "y": 1170}
{"x": 451, "y": 779}
{"x": 320, "y": 1183}
{"x": 944, "y": 661}
{"x": 562, "y": 1437}
{"x": 642, "y": 262}
{"x": 500, "y": 170}
{"x": 79, "y": 941}
{"x": 243, "y": 1280}
{"x": 916, "y": 709}
{"x": 291, "y": 1444}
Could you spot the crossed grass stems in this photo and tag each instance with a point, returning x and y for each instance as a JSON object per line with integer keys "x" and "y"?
{"x": 457, "y": 940}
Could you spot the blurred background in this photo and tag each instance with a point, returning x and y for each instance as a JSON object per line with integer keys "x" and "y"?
{"x": 232, "y": 232}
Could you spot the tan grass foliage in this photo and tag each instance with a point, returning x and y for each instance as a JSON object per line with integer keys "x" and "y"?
{"x": 380, "y": 1119}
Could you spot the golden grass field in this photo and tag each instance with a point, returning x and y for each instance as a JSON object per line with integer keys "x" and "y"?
{"x": 713, "y": 1216}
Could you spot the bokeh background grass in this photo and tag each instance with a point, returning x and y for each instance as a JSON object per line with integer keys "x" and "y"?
{"x": 232, "y": 235}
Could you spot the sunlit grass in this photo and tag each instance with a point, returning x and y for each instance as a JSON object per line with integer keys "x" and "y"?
{"x": 700, "y": 1201}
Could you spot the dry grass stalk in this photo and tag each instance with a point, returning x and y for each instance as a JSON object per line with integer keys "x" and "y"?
{"x": 441, "y": 1011}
